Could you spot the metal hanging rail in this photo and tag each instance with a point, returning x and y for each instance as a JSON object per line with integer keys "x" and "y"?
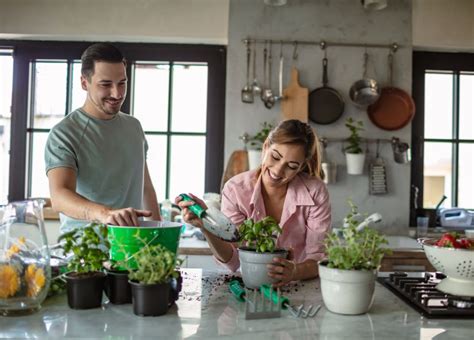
{"x": 325, "y": 140}
{"x": 322, "y": 43}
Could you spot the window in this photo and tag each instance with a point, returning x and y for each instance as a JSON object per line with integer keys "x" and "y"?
{"x": 443, "y": 129}
{"x": 176, "y": 91}
{"x": 6, "y": 76}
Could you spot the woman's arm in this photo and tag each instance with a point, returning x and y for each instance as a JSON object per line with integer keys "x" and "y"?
{"x": 287, "y": 270}
{"x": 222, "y": 250}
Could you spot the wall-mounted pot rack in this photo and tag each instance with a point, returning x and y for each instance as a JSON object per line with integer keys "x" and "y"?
{"x": 325, "y": 140}
{"x": 323, "y": 44}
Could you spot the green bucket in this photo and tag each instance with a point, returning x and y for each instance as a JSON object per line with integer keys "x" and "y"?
{"x": 126, "y": 241}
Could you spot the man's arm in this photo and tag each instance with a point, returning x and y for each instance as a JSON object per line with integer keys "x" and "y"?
{"x": 149, "y": 197}
{"x": 65, "y": 199}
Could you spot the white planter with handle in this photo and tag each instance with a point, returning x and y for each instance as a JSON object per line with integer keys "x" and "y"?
{"x": 255, "y": 158}
{"x": 348, "y": 292}
{"x": 355, "y": 163}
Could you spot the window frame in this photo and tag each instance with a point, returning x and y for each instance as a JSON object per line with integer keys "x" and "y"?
{"x": 437, "y": 61}
{"x": 25, "y": 51}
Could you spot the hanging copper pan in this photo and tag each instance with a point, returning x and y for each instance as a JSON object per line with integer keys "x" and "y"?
{"x": 394, "y": 109}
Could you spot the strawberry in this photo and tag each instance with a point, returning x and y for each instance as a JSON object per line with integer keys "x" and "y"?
{"x": 466, "y": 244}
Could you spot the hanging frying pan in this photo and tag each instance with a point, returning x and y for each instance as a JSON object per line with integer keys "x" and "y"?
{"x": 394, "y": 109}
{"x": 325, "y": 104}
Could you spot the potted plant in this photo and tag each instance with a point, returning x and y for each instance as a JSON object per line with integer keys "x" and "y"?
{"x": 85, "y": 280}
{"x": 355, "y": 156}
{"x": 152, "y": 279}
{"x": 349, "y": 272}
{"x": 258, "y": 249}
{"x": 256, "y": 143}
{"x": 117, "y": 287}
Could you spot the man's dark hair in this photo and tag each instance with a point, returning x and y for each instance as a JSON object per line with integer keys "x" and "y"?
{"x": 99, "y": 52}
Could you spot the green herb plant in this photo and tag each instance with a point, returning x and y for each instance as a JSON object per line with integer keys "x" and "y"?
{"x": 357, "y": 250}
{"x": 257, "y": 140}
{"x": 354, "y": 140}
{"x": 89, "y": 246}
{"x": 260, "y": 235}
{"x": 155, "y": 264}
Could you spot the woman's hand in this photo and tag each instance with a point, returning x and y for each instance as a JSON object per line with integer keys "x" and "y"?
{"x": 283, "y": 270}
{"x": 188, "y": 215}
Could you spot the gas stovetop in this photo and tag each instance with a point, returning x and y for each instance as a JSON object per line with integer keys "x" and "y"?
{"x": 419, "y": 291}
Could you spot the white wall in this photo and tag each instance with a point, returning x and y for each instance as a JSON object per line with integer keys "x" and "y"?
{"x": 334, "y": 20}
{"x": 180, "y": 21}
{"x": 443, "y": 25}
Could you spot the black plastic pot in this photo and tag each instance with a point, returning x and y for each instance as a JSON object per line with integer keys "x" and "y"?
{"x": 84, "y": 291}
{"x": 176, "y": 284}
{"x": 117, "y": 288}
{"x": 150, "y": 300}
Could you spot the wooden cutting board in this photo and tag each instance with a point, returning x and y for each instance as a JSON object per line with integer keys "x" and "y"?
{"x": 295, "y": 99}
{"x": 238, "y": 162}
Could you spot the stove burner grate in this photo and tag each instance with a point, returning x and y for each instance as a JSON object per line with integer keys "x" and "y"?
{"x": 419, "y": 291}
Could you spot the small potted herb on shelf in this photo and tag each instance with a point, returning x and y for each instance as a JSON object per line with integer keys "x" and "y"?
{"x": 355, "y": 156}
{"x": 152, "y": 280}
{"x": 256, "y": 143}
{"x": 348, "y": 273}
{"x": 85, "y": 279}
{"x": 258, "y": 248}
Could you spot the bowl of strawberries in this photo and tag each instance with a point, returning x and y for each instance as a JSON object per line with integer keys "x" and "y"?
{"x": 452, "y": 255}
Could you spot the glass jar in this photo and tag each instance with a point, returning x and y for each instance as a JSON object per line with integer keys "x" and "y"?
{"x": 25, "y": 271}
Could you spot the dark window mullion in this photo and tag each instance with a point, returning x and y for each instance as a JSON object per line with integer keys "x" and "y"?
{"x": 31, "y": 118}
{"x": 70, "y": 64}
{"x": 126, "y": 106}
{"x": 455, "y": 161}
{"x": 168, "y": 135}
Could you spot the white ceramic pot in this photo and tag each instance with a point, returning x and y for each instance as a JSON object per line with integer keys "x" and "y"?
{"x": 355, "y": 163}
{"x": 253, "y": 266}
{"x": 255, "y": 158}
{"x": 347, "y": 291}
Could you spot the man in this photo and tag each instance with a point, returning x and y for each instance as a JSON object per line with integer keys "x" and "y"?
{"x": 96, "y": 156}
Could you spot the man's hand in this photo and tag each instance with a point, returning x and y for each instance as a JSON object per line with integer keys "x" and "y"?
{"x": 124, "y": 217}
{"x": 188, "y": 215}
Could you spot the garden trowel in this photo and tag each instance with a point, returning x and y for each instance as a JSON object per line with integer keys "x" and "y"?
{"x": 214, "y": 221}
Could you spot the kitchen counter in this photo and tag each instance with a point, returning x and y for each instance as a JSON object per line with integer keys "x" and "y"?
{"x": 193, "y": 246}
{"x": 206, "y": 309}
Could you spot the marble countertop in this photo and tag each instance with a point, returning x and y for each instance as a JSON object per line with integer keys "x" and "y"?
{"x": 206, "y": 309}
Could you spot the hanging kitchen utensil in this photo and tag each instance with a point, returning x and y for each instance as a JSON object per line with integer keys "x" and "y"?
{"x": 267, "y": 94}
{"x": 401, "y": 151}
{"x": 256, "y": 87}
{"x": 329, "y": 168}
{"x": 247, "y": 91}
{"x": 270, "y": 100}
{"x": 395, "y": 108}
{"x": 295, "y": 99}
{"x": 214, "y": 221}
{"x": 365, "y": 91}
{"x": 265, "y": 80}
{"x": 378, "y": 175}
{"x": 325, "y": 103}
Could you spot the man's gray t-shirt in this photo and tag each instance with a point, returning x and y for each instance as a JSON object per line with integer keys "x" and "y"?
{"x": 107, "y": 155}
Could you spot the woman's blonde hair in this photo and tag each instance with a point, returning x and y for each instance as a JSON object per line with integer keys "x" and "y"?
{"x": 294, "y": 131}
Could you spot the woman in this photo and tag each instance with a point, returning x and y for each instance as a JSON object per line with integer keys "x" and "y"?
{"x": 289, "y": 188}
